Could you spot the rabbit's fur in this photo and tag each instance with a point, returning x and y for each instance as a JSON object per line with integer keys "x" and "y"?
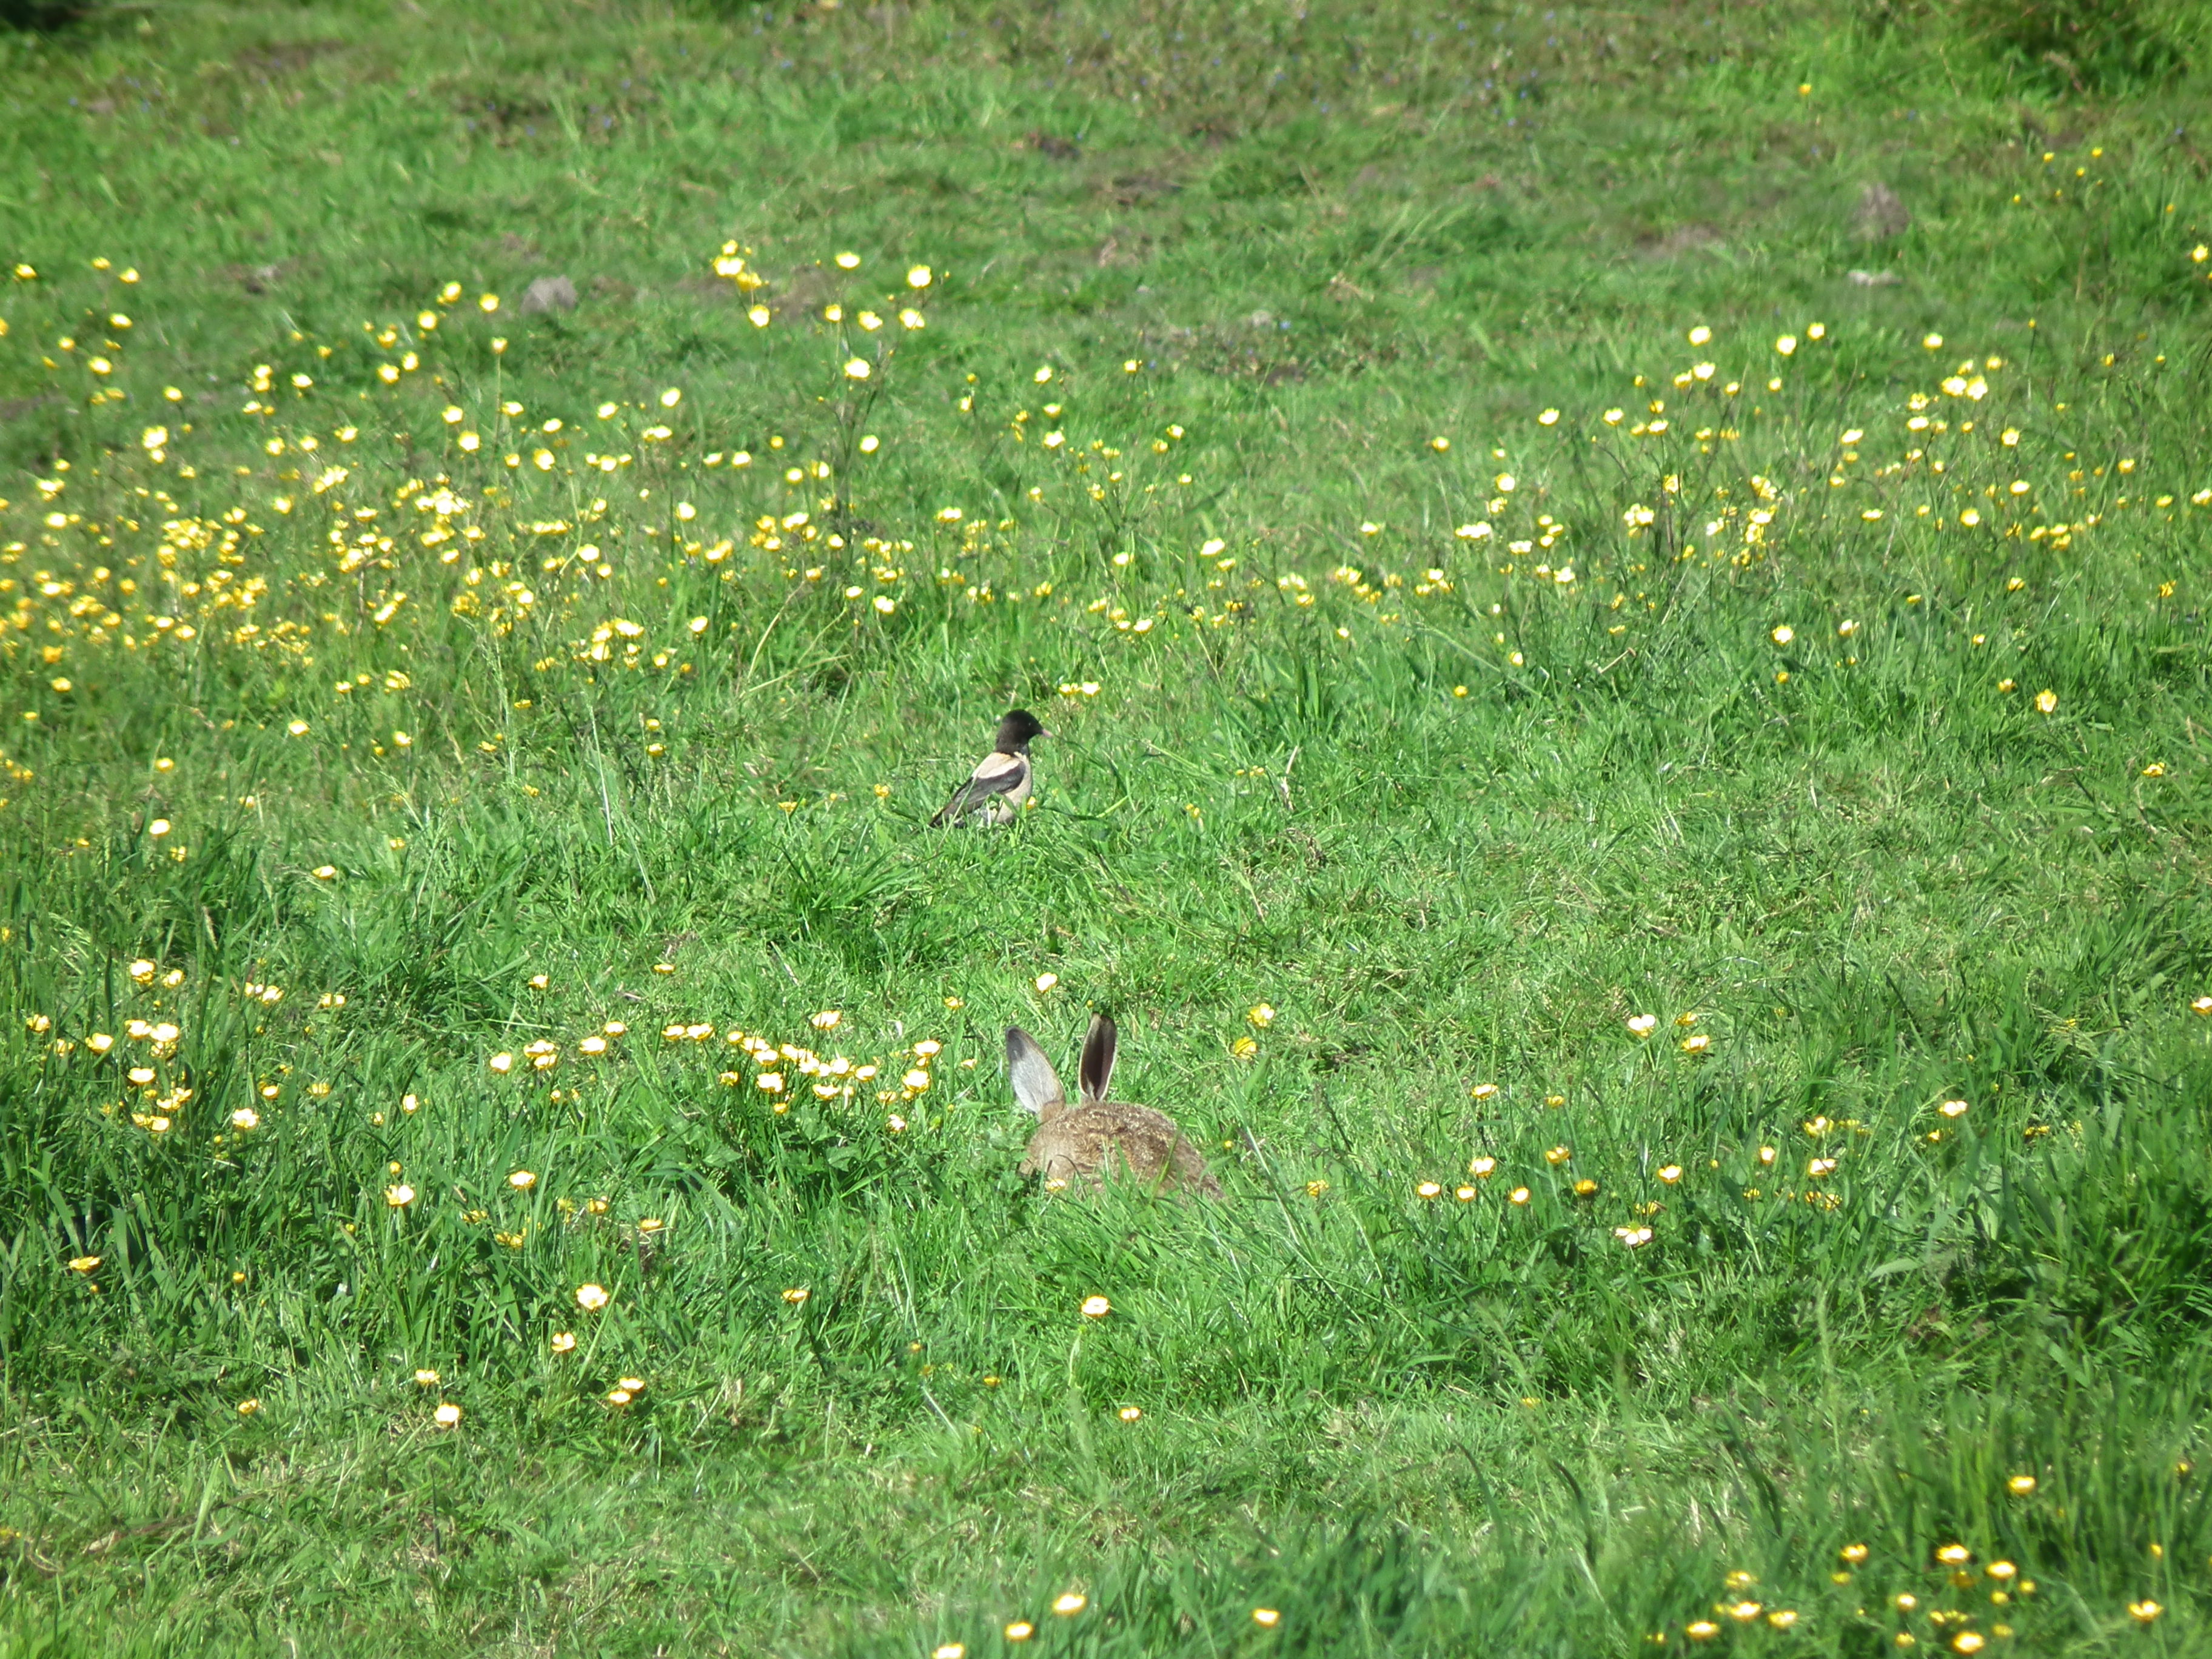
{"x": 1082, "y": 1144}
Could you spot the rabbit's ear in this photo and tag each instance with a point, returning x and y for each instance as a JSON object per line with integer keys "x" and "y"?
{"x": 1096, "y": 1070}
{"x": 1037, "y": 1085}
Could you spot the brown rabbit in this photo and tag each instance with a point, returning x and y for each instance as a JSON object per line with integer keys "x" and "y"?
{"x": 1097, "y": 1137}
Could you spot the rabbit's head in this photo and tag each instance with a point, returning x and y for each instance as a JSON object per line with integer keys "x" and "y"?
{"x": 1038, "y": 1087}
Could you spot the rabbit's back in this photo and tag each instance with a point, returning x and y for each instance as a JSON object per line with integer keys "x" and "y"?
{"x": 1087, "y": 1143}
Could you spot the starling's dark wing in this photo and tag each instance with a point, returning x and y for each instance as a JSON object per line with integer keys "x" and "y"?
{"x": 996, "y": 773}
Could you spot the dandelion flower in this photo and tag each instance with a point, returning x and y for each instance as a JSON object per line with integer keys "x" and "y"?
{"x": 591, "y": 1298}
{"x": 1096, "y": 1307}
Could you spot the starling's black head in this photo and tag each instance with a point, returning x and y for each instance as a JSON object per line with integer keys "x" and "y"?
{"x": 1016, "y": 731}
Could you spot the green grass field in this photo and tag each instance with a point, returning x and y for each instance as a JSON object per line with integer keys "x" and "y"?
{"x": 1643, "y": 796}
